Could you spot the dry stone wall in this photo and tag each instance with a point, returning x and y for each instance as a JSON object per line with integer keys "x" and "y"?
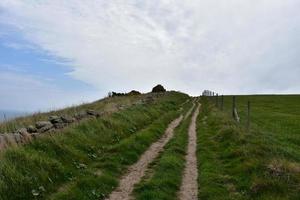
{"x": 54, "y": 123}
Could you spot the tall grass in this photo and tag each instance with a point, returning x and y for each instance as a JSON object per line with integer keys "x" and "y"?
{"x": 77, "y": 162}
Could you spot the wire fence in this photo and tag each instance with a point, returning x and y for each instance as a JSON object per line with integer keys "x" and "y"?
{"x": 218, "y": 100}
{"x": 274, "y": 113}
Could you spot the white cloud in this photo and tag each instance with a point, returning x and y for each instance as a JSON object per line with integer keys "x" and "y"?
{"x": 229, "y": 46}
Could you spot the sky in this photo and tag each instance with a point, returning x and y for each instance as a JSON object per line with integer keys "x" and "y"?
{"x": 55, "y": 53}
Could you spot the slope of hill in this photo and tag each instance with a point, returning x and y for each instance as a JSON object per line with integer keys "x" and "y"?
{"x": 262, "y": 163}
{"x": 143, "y": 147}
{"x": 84, "y": 161}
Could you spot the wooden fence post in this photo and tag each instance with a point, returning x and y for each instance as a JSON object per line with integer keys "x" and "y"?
{"x": 222, "y": 102}
{"x": 233, "y": 106}
{"x": 217, "y": 100}
{"x": 234, "y": 110}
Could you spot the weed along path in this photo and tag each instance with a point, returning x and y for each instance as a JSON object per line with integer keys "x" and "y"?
{"x": 189, "y": 185}
{"x": 137, "y": 171}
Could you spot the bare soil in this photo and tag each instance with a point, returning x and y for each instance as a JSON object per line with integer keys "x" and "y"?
{"x": 189, "y": 186}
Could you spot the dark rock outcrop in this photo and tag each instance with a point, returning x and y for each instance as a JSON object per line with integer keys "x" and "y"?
{"x": 158, "y": 88}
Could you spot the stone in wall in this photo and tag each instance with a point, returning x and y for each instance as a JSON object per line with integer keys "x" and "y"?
{"x": 44, "y": 126}
{"x": 25, "y": 135}
{"x": 3, "y": 143}
{"x": 55, "y": 119}
{"x": 68, "y": 119}
{"x": 10, "y": 139}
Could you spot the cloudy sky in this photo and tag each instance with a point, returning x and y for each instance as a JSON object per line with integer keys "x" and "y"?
{"x": 62, "y": 52}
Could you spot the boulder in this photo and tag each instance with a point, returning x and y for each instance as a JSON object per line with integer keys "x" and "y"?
{"x": 18, "y": 138}
{"x": 46, "y": 128}
{"x": 24, "y": 132}
{"x": 55, "y": 119}
{"x": 31, "y": 129}
{"x": 67, "y": 119}
{"x": 41, "y": 124}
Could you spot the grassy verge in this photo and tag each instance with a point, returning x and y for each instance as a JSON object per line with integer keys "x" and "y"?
{"x": 235, "y": 164}
{"x": 164, "y": 177}
{"x": 76, "y": 160}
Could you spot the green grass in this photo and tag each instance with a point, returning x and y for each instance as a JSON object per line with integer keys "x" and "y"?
{"x": 164, "y": 177}
{"x": 260, "y": 164}
{"x": 272, "y": 113}
{"x": 85, "y": 161}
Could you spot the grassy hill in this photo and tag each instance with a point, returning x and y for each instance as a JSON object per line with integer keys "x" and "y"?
{"x": 87, "y": 159}
{"x": 263, "y": 163}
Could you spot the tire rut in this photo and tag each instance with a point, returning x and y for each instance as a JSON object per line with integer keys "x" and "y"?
{"x": 189, "y": 185}
{"x": 137, "y": 170}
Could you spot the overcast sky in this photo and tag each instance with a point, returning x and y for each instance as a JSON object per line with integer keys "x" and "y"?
{"x": 61, "y": 52}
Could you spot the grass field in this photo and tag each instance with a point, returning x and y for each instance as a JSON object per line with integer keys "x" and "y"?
{"x": 272, "y": 113}
{"x": 263, "y": 163}
{"x": 84, "y": 162}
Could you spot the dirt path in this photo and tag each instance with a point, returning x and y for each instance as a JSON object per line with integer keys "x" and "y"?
{"x": 189, "y": 185}
{"x": 190, "y": 110}
{"x": 137, "y": 171}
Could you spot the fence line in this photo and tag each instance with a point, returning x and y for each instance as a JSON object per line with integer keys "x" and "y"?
{"x": 214, "y": 97}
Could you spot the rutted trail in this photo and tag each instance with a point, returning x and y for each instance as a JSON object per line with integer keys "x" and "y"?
{"x": 137, "y": 171}
{"x": 189, "y": 186}
{"x": 190, "y": 111}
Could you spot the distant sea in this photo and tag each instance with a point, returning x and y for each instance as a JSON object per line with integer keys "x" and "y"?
{"x": 9, "y": 114}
